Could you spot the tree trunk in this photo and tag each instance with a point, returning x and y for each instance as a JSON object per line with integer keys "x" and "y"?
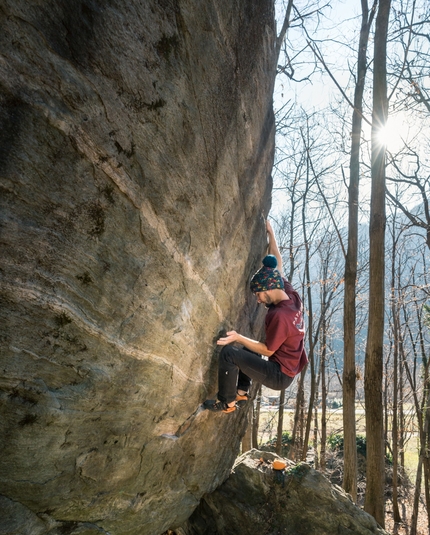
{"x": 385, "y": 392}
{"x": 295, "y": 437}
{"x": 247, "y": 437}
{"x": 278, "y": 448}
{"x": 424, "y": 414}
{"x": 425, "y": 448}
{"x": 395, "y": 432}
{"x": 323, "y": 404}
{"x": 316, "y": 456}
{"x": 396, "y": 345}
{"x": 401, "y": 405}
{"x": 311, "y": 353}
{"x": 256, "y": 420}
{"x": 420, "y": 412}
{"x": 302, "y": 422}
{"x": 374, "y": 502}
{"x": 349, "y": 318}
{"x": 417, "y": 494}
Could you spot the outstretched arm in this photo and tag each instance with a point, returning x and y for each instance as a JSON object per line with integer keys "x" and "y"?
{"x": 273, "y": 246}
{"x": 252, "y": 345}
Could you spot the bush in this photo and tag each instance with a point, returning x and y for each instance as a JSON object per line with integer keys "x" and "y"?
{"x": 270, "y": 445}
{"x": 361, "y": 445}
{"x": 335, "y": 442}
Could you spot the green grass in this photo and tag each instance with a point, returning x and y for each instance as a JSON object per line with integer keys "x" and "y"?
{"x": 269, "y": 422}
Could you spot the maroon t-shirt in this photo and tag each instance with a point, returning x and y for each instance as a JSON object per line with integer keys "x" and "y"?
{"x": 285, "y": 332}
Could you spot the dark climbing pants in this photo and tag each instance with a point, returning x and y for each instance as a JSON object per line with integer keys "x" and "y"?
{"x": 238, "y": 366}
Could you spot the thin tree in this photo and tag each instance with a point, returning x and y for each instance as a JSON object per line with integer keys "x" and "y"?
{"x": 329, "y": 258}
{"x": 395, "y": 313}
{"x": 349, "y": 318}
{"x": 256, "y": 419}
{"x": 374, "y": 500}
{"x": 422, "y": 408}
{"x": 314, "y": 327}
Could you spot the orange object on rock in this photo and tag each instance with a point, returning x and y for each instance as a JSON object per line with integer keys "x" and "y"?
{"x": 279, "y": 465}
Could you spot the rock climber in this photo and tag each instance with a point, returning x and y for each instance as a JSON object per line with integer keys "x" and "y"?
{"x": 284, "y": 341}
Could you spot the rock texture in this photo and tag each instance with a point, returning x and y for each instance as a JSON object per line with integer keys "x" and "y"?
{"x": 136, "y": 145}
{"x": 252, "y": 500}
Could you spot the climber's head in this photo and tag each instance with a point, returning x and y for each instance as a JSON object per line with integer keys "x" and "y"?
{"x": 268, "y": 277}
{"x": 267, "y": 284}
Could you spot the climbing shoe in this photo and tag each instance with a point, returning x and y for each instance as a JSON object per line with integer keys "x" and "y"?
{"x": 241, "y": 401}
{"x": 218, "y": 406}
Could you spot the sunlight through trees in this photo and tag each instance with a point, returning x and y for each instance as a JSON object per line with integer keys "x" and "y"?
{"x": 340, "y": 149}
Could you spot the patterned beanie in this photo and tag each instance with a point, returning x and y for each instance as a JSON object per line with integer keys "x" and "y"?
{"x": 268, "y": 277}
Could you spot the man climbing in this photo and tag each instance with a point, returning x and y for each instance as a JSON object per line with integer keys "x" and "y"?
{"x": 284, "y": 345}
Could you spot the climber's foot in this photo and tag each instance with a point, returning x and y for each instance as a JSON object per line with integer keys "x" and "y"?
{"x": 242, "y": 400}
{"x": 215, "y": 405}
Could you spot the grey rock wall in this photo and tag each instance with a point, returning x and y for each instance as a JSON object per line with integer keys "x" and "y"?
{"x": 255, "y": 499}
{"x": 136, "y": 145}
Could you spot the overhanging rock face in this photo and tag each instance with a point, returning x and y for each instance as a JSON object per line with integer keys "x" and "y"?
{"x": 136, "y": 145}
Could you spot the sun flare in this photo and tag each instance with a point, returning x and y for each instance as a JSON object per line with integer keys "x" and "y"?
{"x": 393, "y": 134}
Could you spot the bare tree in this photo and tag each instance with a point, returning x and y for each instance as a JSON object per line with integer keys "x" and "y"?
{"x": 375, "y": 476}
{"x": 349, "y": 318}
{"x": 396, "y": 340}
{"x": 421, "y": 405}
{"x": 419, "y": 180}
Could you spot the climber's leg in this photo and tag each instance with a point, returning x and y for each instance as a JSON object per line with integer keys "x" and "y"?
{"x": 238, "y": 366}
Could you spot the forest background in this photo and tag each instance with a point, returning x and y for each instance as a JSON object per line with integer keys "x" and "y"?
{"x": 352, "y": 217}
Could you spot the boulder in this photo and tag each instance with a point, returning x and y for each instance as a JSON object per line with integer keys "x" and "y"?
{"x": 136, "y": 146}
{"x": 296, "y": 501}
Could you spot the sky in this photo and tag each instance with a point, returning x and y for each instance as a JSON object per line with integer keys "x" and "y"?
{"x": 336, "y": 31}
{"x": 338, "y": 24}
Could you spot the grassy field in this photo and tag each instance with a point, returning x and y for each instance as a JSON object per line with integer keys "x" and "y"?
{"x": 269, "y": 421}
{"x": 268, "y": 429}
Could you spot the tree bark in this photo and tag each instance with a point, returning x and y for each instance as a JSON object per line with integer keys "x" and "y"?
{"x": 323, "y": 400}
{"x": 247, "y": 437}
{"x": 374, "y": 502}
{"x": 396, "y": 345}
{"x": 349, "y": 318}
{"x": 295, "y": 437}
{"x": 256, "y": 419}
{"x": 426, "y": 449}
{"x": 284, "y": 29}
{"x": 316, "y": 456}
{"x": 417, "y": 493}
{"x": 278, "y": 448}
{"x": 312, "y": 340}
{"x": 401, "y": 405}
{"x": 423, "y": 418}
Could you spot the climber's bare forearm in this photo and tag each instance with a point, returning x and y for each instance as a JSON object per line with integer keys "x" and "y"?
{"x": 252, "y": 345}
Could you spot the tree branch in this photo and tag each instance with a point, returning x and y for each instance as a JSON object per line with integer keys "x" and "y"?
{"x": 318, "y": 55}
{"x": 283, "y": 32}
